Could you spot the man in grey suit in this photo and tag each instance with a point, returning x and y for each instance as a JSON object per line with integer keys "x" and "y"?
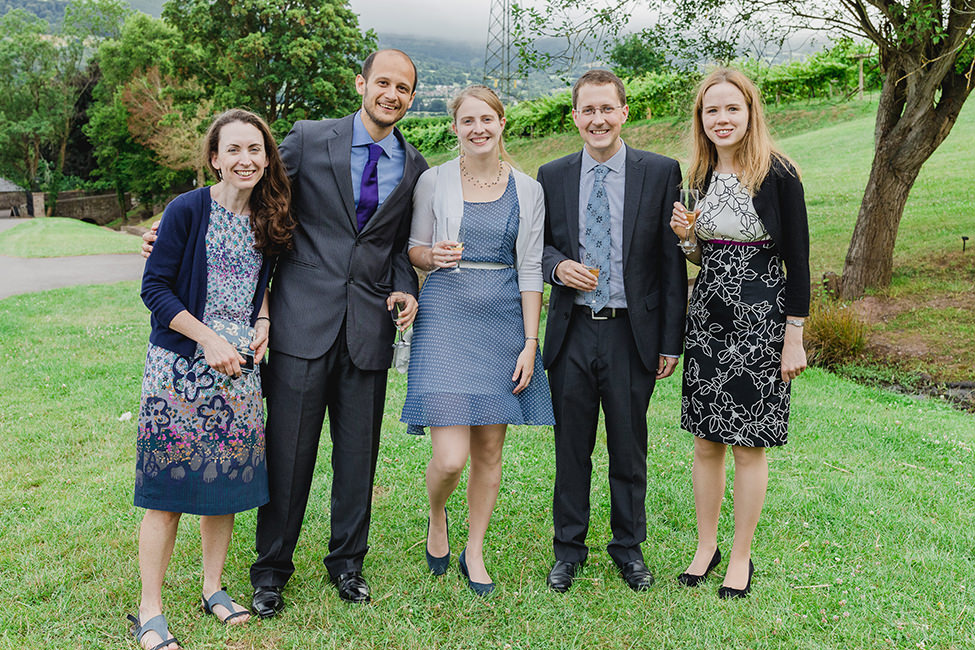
{"x": 352, "y": 186}
{"x": 608, "y": 337}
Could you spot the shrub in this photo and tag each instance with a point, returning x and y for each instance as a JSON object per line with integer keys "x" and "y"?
{"x": 834, "y": 334}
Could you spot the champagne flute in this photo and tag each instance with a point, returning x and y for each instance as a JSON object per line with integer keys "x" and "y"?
{"x": 690, "y": 199}
{"x": 454, "y": 227}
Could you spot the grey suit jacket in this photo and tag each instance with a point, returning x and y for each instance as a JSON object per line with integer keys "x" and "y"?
{"x": 654, "y": 271}
{"x": 336, "y": 272}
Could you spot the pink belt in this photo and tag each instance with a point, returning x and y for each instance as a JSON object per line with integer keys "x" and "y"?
{"x": 731, "y": 242}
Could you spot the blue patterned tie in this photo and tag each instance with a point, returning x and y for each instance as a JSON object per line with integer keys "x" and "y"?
{"x": 597, "y": 239}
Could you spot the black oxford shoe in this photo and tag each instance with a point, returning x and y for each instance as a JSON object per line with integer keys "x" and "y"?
{"x": 352, "y": 587}
{"x": 636, "y": 575}
{"x": 267, "y": 601}
{"x": 561, "y": 576}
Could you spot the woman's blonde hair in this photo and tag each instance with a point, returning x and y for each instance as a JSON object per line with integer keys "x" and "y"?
{"x": 754, "y": 155}
{"x": 488, "y": 96}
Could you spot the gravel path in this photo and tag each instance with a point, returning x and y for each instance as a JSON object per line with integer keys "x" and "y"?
{"x": 29, "y": 274}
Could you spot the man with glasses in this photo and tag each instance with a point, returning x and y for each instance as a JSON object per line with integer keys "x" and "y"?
{"x": 615, "y": 320}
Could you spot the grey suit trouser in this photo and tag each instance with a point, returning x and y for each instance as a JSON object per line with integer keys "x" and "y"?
{"x": 299, "y": 391}
{"x": 598, "y": 363}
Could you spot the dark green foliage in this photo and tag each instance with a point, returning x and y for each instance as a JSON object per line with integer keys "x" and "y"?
{"x": 284, "y": 60}
{"x": 638, "y": 54}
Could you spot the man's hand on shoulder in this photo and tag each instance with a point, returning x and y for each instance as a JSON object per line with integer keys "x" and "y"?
{"x": 148, "y": 239}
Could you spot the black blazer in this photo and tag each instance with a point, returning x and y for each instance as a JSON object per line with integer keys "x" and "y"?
{"x": 781, "y": 205}
{"x": 336, "y": 272}
{"x": 654, "y": 272}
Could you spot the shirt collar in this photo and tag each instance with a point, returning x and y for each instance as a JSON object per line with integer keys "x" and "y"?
{"x": 361, "y": 137}
{"x": 616, "y": 163}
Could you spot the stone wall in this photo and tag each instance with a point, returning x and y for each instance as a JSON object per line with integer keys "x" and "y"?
{"x": 99, "y": 209}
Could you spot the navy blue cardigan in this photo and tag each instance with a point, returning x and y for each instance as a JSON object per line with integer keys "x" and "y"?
{"x": 175, "y": 277}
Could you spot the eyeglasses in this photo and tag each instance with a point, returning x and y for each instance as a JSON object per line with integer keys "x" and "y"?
{"x": 590, "y": 111}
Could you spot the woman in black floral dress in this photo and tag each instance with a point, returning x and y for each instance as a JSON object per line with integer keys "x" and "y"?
{"x": 744, "y": 324}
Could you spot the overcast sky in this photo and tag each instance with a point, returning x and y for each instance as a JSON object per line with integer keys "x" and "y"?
{"x": 460, "y": 20}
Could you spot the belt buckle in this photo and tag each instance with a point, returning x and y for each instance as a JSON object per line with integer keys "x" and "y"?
{"x": 595, "y": 317}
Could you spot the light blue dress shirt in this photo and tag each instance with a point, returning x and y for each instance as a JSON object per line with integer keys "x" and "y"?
{"x": 615, "y": 184}
{"x": 389, "y": 171}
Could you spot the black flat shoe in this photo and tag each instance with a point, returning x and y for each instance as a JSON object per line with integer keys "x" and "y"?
{"x": 691, "y": 580}
{"x": 479, "y": 588}
{"x": 267, "y": 601}
{"x": 438, "y": 565}
{"x": 562, "y": 574}
{"x": 352, "y": 587}
{"x": 636, "y": 575}
{"x": 728, "y": 592}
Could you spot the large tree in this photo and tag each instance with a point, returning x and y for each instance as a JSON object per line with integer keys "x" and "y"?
{"x": 284, "y": 59}
{"x": 926, "y": 57}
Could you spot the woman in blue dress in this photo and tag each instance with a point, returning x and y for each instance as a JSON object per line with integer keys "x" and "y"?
{"x": 200, "y": 447}
{"x": 475, "y": 365}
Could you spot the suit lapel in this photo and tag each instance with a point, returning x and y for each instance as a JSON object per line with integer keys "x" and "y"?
{"x": 340, "y": 156}
{"x": 571, "y": 183}
{"x": 632, "y": 198}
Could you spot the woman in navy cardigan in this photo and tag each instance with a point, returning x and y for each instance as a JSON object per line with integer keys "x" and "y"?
{"x": 201, "y": 423}
{"x": 744, "y": 323}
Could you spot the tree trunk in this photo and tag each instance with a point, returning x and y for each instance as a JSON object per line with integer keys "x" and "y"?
{"x": 870, "y": 258}
{"x": 912, "y": 121}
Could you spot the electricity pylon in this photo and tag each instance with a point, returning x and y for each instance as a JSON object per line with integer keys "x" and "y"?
{"x": 497, "y": 55}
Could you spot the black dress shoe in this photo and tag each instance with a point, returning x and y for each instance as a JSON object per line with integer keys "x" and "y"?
{"x": 636, "y": 575}
{"x": 728, "y": 592}
{"x": 352, "y": 587}
{"x": 561, "y": 576}
{"x": 267, "y": 601}
{"x": 691, "y": 580}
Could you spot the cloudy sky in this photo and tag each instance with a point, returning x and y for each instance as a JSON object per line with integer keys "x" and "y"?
{"x": 465, "y": 20}
{"x": 451, "y": 19}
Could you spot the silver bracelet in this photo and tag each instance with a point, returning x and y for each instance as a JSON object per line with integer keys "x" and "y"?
{"x": 794, "y": 322}
{"x": 531, "y": 338}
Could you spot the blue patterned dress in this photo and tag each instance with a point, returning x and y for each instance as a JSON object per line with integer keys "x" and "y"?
{"x": 200, "y": 448}
{"x": 469, "y": 332}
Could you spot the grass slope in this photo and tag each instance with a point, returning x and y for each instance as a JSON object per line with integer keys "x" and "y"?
{"x": 58, "y": 236}
{"x": 866, "y": 540}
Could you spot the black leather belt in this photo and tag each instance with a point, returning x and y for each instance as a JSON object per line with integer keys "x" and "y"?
{"x": 603, "y": 314}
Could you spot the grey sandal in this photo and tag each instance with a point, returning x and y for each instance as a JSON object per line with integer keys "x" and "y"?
{"x": 155, "y": 624}
{"x": 223, "y": 599}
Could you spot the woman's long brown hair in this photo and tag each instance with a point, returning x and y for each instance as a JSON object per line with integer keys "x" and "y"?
{"x": 270, "y": 201}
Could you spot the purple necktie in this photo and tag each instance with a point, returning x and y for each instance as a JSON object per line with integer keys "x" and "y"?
{"x": 369, "y": 189}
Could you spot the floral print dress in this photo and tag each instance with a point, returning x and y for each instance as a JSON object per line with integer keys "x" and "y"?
{"x": 200, "y": 448}
{"x": 733, "y": 391}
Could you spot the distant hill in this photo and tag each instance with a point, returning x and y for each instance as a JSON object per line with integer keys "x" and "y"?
{"x": 50, "y": 10}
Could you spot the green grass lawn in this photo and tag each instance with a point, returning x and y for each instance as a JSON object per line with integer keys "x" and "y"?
{"x": 59, "y": 236}
{"x": 866, "y": 540}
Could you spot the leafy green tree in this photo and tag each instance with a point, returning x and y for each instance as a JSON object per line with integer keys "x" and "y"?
{"x": 144, "y": 43}
{"x": 284, "y": 59}
{"x": 30, "y": 105}
{"x": 637, "y": 54}
{"x": 926, "y": 50}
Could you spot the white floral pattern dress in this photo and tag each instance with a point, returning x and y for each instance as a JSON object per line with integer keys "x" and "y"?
{"x": 733, "y": 391}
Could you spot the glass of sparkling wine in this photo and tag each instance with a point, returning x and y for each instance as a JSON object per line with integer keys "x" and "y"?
{"x": 690, "y": 199}
{"x": 594, "y": 270}
{"x": 454, "y": 227}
